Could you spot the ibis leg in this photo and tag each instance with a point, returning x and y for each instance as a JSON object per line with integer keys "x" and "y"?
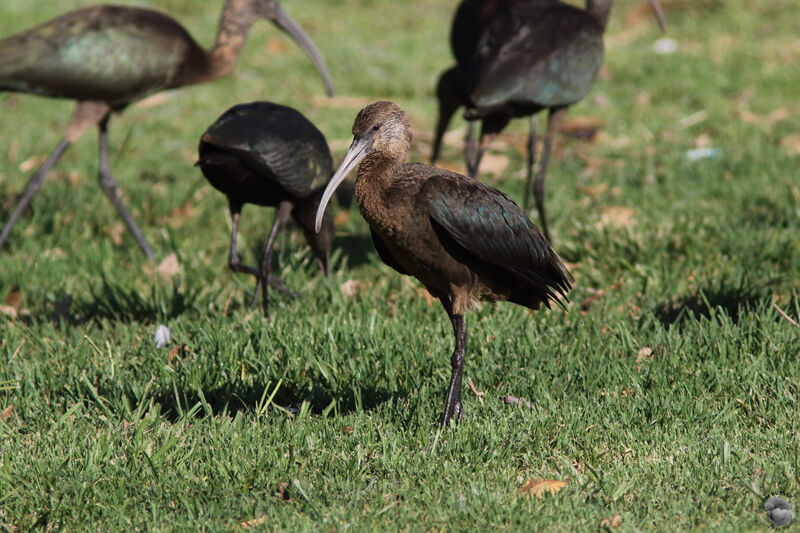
{"x": 234, "y": 262}
{"x": 531, "y": 162}
{"x": 452, "y": 406}
{"x": 32, "y": 188}
{"x": 281, "y": 214}
{"x": 109, "y": 187}
{"x": 470, "y": 150}
{"x": 553, "y": 124}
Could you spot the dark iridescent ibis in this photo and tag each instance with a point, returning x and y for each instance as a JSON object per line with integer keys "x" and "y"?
{"x": 513, "y": 59}
{"x": 107, "y": 57}
{"x": 270, "y": 155}
{"x": 465, "y": 241}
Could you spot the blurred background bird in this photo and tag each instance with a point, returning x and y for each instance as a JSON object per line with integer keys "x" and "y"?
{"x": 106, "y": 57}
{"x": 513, "y": 59}
{"x": 270, "y": 155}
{"x": 465, "y": 241}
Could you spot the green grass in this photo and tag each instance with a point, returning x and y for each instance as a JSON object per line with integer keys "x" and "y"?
{"x": 109, "y": 432}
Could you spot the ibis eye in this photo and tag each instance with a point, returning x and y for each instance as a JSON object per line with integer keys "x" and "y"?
{"x": 376, "y": 127}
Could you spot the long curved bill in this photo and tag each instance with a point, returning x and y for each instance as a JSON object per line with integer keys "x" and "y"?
{"x": 288, "y": 24}
{"x": 659, "y": 14}
{"x": 358, "y": 150}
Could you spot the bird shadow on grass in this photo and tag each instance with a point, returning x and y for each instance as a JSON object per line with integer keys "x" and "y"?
{"x": 734, "y": 298}
{"x": 232, "y": 399}
{"x": 124, "y": 304}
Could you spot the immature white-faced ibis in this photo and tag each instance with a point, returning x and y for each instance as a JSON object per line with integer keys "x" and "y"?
{"x": 271, "y": 155}
{"x": 107, "y": 57}
{"x": 513, "y": 59}
{"x": 465, "y": 241}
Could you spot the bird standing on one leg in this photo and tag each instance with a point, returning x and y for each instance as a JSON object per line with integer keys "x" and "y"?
{"x": 107, "y": 57}
{"x": 465, "y": 241}
{"x": 513, "y": 59}
{"x": 271, "y": 155}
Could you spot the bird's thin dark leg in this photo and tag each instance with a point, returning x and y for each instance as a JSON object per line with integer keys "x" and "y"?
{"x": 554, "y": 119}
{"x": 473, "y": 151}
{"x": 233, "y": 258}
{"x": 109, "y": 187}
{"x": 32, "y": 188}
{"x": 281, "y": 214}
{"x": 531, "y": 163}
{"x": 452, "y": 406}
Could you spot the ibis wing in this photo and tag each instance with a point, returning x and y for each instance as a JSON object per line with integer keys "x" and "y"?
{"x": 384, "y": 253}
{"x": 490, "y": 226}
{"x": 277, "y": 141}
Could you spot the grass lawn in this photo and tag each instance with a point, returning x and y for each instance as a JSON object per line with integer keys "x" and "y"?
{"x": 666, "y": 397}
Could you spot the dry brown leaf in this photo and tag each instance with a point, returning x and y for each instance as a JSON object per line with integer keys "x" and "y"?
{"x": 593, "y": 190}
{"x": 791, "y": 143}
{"x": 584, "y": 128}
{"x": 7, "y": 412}
{"x": 538, "y": 487}
{"x": 115, "y": 231}
{"x": 702, "y": 141}
{"x": 616, "y": 217}
{"x": 347, "y": 430}
{"x": 275, "y": 45}
{"x": 611, "y": 522}
{"x": 494, "y": 164}
{"x": 13, "y": 150}
{"x": 351, "y": 288}
{"x": 14, "y": 297}
{"x": 341, "y": 218}
{"x": 32, "y": 162}
{"x": 8, "y": 310}
{"x": 169, "y": 267}
{"x": 283, "y": 491}
{"x": 254, "y": 522}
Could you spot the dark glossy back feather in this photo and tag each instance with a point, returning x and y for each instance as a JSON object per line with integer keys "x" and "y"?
{"x": 111, "y": 54}
{"x": 274, "y": 143}
{"x": 484, "y": 229}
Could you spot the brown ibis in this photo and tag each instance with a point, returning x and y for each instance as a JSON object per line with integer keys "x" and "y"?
{"x": 513, "y": 59}
{"x": 464, "y": 240}
{"x": 270, "y": 155}
{"x": 107, "y": 57}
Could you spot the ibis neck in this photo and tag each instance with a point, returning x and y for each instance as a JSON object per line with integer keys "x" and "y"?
{"x": 599, "y": 11}
{"x": 374, "y": 178}
{"x": 235, "y": 22}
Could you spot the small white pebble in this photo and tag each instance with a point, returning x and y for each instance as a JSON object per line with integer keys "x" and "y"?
{"x": 162, "y": 336}
{"x": 696, "y": 154}
{"x": 665, "y": 46}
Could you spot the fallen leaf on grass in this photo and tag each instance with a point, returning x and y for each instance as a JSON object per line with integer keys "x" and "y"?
{"x": 517, "y": 402}
{"x": 8, "y": 310}
{"x": 341, "y": 218}
{"x": 538, "y": 487}
{"x": 14, "y": 297}
{"x": 616, "y": 217}
{"x": 494, "y": 164}
{"x": 275, "y": 45}
{"x": 593, "y": 190}
{"x": 115, "y": 231}
{"x": 7, "y": 412}
{"x": 247, "y": 524}
{"x": 351, "y": 288}
{"x": 645, "y": 354}
{"x": 611, "y": 522}
{"x": 474, "y": 390}
{"x": 169, "y": 267}
{"x": 347, "y": 430}
{"x": 791, "y": 143}
{"x": 32, "y": 162}
{"x": 584, "y": 128}
{"x": 283, "y": 491}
